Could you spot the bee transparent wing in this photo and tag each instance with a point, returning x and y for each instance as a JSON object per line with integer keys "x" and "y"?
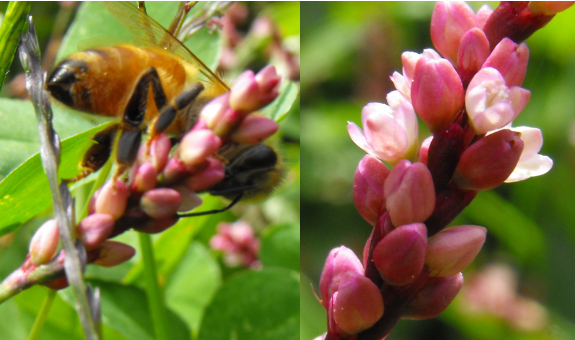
{"x": 149, "y": 33}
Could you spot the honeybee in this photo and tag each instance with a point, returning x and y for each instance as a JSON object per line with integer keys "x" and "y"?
{"x": 158, "y": 85}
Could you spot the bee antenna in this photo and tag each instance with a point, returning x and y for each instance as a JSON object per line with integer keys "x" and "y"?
{"x": 209, "y": 212}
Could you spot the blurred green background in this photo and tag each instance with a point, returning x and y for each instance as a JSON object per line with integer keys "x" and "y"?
{"x": 349, "y": 50}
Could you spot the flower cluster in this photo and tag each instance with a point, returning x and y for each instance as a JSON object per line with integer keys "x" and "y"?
{"x": 467, "y": 93}
{"x": 161, "y": 183}
{"x": 238, "y": 243}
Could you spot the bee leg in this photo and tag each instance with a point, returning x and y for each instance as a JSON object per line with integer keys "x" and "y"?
{"x": 133, "y": 118}
{"x": 168, "y": 114}
{"x": 209, "y": 212}
{"x": 97, "y": 154}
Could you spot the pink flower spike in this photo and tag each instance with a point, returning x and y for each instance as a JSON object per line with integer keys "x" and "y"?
{"x": 490, "y": 103}
{"x": 388, "y": 134}
{"x": 473, "y": 51}
{"x": 435, "y": 296}
{"x": 510, "y": 60}
{"x": 409, "y": 193}
{"x": 531, "y": 163}
{"x": 357, "y": 304}
{"x": 437, "y": 92}
{"x": 339, "y": 261}
{"x": 368, "y": 188}
{"x": 268, "y": 79}
{"x": 145, "y": 178}
{"x": 400, "y": 255}
{"x": 449, "y": 21}
{"x": 549, "y": 7}
{"x": 44, "y": 243}
{"x": 244, "y": 94}
{"x": 453, "y": 249}
{"x": 482, "y": 15}
{"x": 254, "y": 129}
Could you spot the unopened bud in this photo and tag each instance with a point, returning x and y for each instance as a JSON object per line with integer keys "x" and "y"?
{"x": 368, "y": 188}
{"x": 489, "y": 161}
{"x": 357, "y": 304}
{"x": 449, "y": 21}
{"x": 112, "y": 199}
{"x": 409, "y": 193}
{"x": 44, "y": 243}
{"x": 161, "y": 202}
{"x": 208, "y": 177}
{"x": 473, "y": 51}
{"x": 339, "y": 261}
{"x": 435, "y": 296}
{"x": 197, "y": 145}
{"x": 400, "y": 255}
{"x": 453, "y": 249}
{"x": 214, "y": 110}
{"x": 437, "y": 92}
{"x": 254, "y": 129}
{"x": 95, "y": 229}
{"x": 510, "y": 59}
{"x": 113, "y": 253}
{"x": 145, "y": 178}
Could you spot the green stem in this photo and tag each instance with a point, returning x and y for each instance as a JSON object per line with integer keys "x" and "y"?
{"x": 153, "y": 291}
{"x": 42, "y": 315}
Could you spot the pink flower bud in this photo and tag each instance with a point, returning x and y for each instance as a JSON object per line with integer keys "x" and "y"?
{"x": 531, "y": 163}
{"x": 254, "y": 129}
{"x": 95, "y": 229}
{"x": 449, "y": 21}
{"x": 435, "y": 296}
{"x": 490, "y": 103}
{"x": 549, "y": 7}
{"x": 174, "y": 171}
{"x": 113, "y": 253}
{"x": 402, "y": 82}
{"x": 409, "y": 193}
{"x": 197, "y": 145}
{"x": 388, "y": 134}
{"x": 160, "y": 151}
{"x": 145, "y": 178}
{"x": 357, "y": 304}
{"x": 510, "y": 60}
{"x": 473, "y": 51}
{"x": 208, "y": 177}
{"x": 229, "y": 122}
{"x": 190, "y": 200}
{"x": 112, "y": 199}
{"x": 482, "y": 15}
{"x": 214, "y": 110}
{"x": 252, "y": 92}
{"x": 437, "y": 92}
{"x": 424, "y": 150}
{"x": 489, "y": 161}
{"x": 453, "y": 249}
{"x": 161, "y": 202}
{"x": 400, "y": 256}
{"x": 368, "y": 188}
{"x": 339, "y": 261}
{"x": 44, "y": 243}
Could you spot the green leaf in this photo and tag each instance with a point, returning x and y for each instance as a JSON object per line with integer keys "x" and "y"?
{"x": 12, "y": 26}
{"x": 280, "y": 247}
{"x": 192, "y": 285}
{"x": 126, "y": 311}
{"x": 279, "y": 108}
{"x": 255, "y": 305}
{"x": 25, "y": 192}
